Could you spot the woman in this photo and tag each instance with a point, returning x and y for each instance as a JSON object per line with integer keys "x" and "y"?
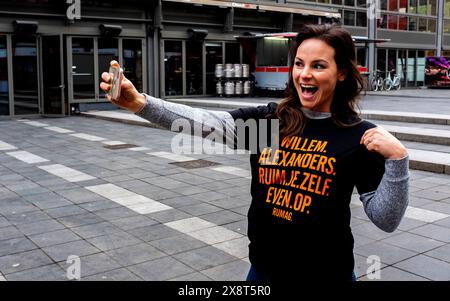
{"x": 299, "y": 218}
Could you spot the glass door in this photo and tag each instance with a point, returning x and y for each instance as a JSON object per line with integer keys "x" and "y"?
{"x": 25, "y": 74}
{"x": 194, "y": 67}
{"x": 213, "y": 56}
{"x": 52, "y": 75}
{"x": 4, "y": 91}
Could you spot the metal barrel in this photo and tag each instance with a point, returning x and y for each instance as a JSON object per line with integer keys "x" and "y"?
{"x": 247, "y": 87}
{"x": 238, "y": 87}
{"x": 219, "y": 70}
{"x": 245, "y": 70}
{"x": 219, "y": 88}
{"x": 237, "y": 70}
{"x": 229, "y": 71}
{"x": 229, "y": 88}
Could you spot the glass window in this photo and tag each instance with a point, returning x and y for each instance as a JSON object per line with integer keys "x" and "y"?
{"x": 393, "y": 5}
{"x": 447, "y": 9}
{"x": 213, "y": 51}
{"x": 422, "y": 7}
{"x": 411, "y": 67}
{"x": 382, "y": 22}
{"x": 392, "y": 53}
{"x": 412, "y": 23}
{"x": 349, "y": 17}
{"x": 194, "y": 67}
{"x": 401, "y": 65}
{"x": 422, "y": 24}
{"x": 232, "y": 53}
{"x": 274, "y": 51}
{"x": 361, "y": 19}
{"x": 323, "y": 1}
{"x": 83, "y": 68}
{"x": 132, "y": 62}
{"x": 383, "y": 4}
{"x": 412, "y": 6}
{"x": 361, "y": 3}
{"x": 402, "y": 6}
{"x": 420, "y": 67}
{"x": 447, "y": 26}
{"x": 173, "y": 68}
{"x": 25, "y": 75}
{"x": 361, "y": 56}
{"x": 108, "y": 50}
{"x": 392, "y": 21}
{"x": 381, "y": 59}
{"x": 339, "y": 2}
{"x": 4, "y": 95}
{"x": 431, "y": 25}
{"x": 431, "y": 7}
{"x": 349, "y": 2}
{"x": 403, "y": 23}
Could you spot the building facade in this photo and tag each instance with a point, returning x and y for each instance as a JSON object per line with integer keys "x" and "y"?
{"x": 52, "y": 52}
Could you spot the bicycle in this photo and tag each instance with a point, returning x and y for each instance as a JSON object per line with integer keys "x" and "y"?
{"x": 377, "y": 81}
{"x": 391, "y": 83}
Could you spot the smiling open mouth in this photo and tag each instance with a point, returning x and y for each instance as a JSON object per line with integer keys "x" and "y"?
{"x": 308, "y": 89}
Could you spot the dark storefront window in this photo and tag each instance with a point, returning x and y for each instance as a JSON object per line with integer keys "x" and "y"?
{"x": 25, "y": 75}
{"x": 381, "y": 60}
{"x": 173, "y": 67}
{"x": 361, "y": 56}
{"x": 4, "y": 95}
{"x": 83, "y": 68}
{"x": 213, "y": 57}
{"x": 349, "y": 18}
{"x": 412, "y": 23}
{"x": 232, "y": 51}
{"x": 108, "y": 50}
{"x": 361, "y": 19}
{"x": 194, "y": 67}
{"x": 132, "y": 62}
{"x": 349, "y": 2}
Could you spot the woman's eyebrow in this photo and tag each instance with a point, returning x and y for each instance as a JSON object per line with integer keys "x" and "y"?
{"x": 314, "y": 61}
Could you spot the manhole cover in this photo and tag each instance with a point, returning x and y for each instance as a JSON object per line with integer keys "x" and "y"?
{"x": 120, "y": 146}
{"x": 195, "y": 164}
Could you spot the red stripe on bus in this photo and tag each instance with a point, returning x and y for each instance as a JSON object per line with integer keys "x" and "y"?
{"x": 271, "y": 69}
{"x": 283, "y": 69}
{"x": 260, "y": 69}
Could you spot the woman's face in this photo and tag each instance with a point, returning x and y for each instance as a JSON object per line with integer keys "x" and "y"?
{"x": 315, "y": 74}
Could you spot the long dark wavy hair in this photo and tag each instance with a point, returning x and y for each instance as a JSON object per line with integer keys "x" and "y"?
{"x": 344, "y": 108}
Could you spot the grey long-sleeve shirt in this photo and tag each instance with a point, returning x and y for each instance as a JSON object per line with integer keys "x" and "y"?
{"x": 385, "y": 206}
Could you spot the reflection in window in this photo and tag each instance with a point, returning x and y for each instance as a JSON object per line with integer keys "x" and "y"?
{"x": 132, "y": 62}
{"x": 361, "y": 3}
{"x": 361, "y": 19}
{"x": 422, "y": 7}
{"x": 447, "y": 9}
{"x": 194, "y": 67}
{"x": 25, "y": 75}
{"x": 383, "y": 4}
{"x": 213, "y": 57}
{"x": 402, "y": 23}
{"x": 83, "y": 68}
{"x": 173, "y": 68}
{"x": 447, "y": 26}
{"x": 412, "y": 7}
{"x": 272, "y": 52}
{"x": 412, "y": 23}
{"x": 431, "y": 7}
{"x": 431, "y": 25}
{"x": 337, "y": 2}
{"x": 393, "y": 6}
{"x": 4, "y": 95}
{"x": 349, "y": 2}
{"x": 422, "y": 24}
{"x": 349, "y": 18}
{"x": 402, "y": 7}
{"x": 392, "y": 21}
{"x": 108, "y": 50}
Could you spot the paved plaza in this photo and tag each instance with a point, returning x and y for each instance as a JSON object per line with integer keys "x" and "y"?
{"x": 115, "y": 196}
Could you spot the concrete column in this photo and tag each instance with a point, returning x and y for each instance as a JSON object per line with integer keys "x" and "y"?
{"x": 372, "y": 12}
{"x": 439, "y": 26}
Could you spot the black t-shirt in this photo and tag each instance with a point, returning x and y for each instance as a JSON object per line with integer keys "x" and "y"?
{"x": 299, "y": 218}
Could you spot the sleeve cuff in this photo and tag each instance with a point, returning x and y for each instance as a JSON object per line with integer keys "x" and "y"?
{"x": 397, "y": 169}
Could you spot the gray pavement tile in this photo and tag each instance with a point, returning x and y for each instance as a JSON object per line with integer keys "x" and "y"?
{"x": 54, "y": 238}
{"x": 177, "y": 244}
{"x": 65, "y": 211}
{"x": 423, "y": 183}
{"x": 131, "y": 255}
{"x": 133, "y": 222}
{"x": 229, "y": 203}
{"x": 243, "y": 210}
{"x": 169, "y": 215}
{"x": 433, "y": 231}
{"x": 204, "y": 258}
{"x": 388, "y": 254}
{"x": 40, "y": 227}
{"x": 189, "y": 190}
{"x": 217, "y": 185}
{"x": 419, "y": 202}
{"x": 97, "y": 229}
{"x": 16, "y": 207}
{"x": 16, "y": 245}
{"x": 408, "y": 223}
{"x": 391, "y": 273}
{"x": 153, "y": 232}
{"x": 63, "y": 186}
{"x": 160, "y": 269}
{"x": 180, "y": 201}
{"x": 62, "y": 251}
{"x": 94, "y": 264}
{"x": 371, "y": 231}
{"x": 114, "y": 240}
{"x": 100, "y": 204}
{"x": 199, "y": 209}
{"x": 165, "y": 182}
{"x": 442, "y": 253}
{"x": 431, "y": 194}
{"x": 26, "y": 217}
{"x": 4, "y": 222}
{"x": 9, "y": 232}
{"x": 80, "y": 220}
{"x": 114, "y": 275}
{"x": 239, "y": 227}
{"x": 413, "y": 242}
{"x": 361, "y": 240}
{"x": 115, "y": 213}
{"x": 358, "y": 212}
{"x": 223, "y": 217}
{"x": 443, "y": 222}
{"x": 155, "y": 194}
{"x": 427, "y": 267}
{"x": 232, "y": 271}
{"x": 7, "y": 194}
{"x": 440, "y": 207}
{"x": 51, "y": 272}
{"x": 23, "y": 261}
{"x": 208, "y": 196}
{"x": 197, "y": 276}
{"x": 79, "y": 195}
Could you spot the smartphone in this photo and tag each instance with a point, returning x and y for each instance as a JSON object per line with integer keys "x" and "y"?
{"x": 116, "y": 79}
